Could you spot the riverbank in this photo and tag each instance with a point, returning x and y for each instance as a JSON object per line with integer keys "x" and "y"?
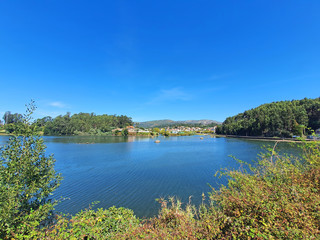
{"x": 260, "y": 138}
{"x": 3, "y": 133}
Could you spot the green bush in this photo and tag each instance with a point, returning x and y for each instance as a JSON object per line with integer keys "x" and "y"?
{"x": 280, "y": 200}
{"x": 109, "y": 223}
{"x": 125, "y": 132}
{"x": 27, "y": 179}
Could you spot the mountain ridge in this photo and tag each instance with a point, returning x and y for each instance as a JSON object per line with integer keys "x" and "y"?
{"x": 169, "y": 122}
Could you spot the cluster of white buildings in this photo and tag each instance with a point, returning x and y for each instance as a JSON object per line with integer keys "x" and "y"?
{"x": 174, "y": 130}
{"x": 183, "y": 129}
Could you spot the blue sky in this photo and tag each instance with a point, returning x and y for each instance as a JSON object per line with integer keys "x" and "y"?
{"x": 157, "y": 59}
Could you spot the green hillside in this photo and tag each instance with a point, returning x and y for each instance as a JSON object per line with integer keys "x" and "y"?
{"x": 281, "y": 119}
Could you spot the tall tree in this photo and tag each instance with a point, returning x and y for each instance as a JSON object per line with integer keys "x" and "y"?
{"x": 27, "y": 179}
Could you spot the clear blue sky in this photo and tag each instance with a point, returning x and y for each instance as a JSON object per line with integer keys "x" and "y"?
{"x": 157, "y": 59}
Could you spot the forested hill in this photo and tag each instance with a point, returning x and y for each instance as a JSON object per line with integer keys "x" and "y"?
{"x": 82, "y": 123}
{"x": 76, "y": 124}
{"x": 282, "y": 119}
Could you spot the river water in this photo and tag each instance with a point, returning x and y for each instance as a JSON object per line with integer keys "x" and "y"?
{"x": 133, "y": 172}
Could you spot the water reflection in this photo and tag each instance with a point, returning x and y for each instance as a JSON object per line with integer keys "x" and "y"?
{"x": 94, "y": 139}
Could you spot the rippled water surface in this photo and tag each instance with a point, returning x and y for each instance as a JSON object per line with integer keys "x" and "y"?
{"x": 132, "y": 172}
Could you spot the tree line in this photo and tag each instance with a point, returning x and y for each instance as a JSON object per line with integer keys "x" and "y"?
{"x": 76, "y": 124}
{"x": 281, "y": 119}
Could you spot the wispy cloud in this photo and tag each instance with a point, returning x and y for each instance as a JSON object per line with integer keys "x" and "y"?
{"x": 172, "y": 94}
{"x": 58, "y": 104}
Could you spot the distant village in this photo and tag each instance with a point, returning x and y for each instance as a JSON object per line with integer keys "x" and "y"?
{"x": 180, "y": 130}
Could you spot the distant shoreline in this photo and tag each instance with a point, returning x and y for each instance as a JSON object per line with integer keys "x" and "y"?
{"x": 257, "y": 138}
{"x": 272, "y": 139}
{"x": 5, "y": 134}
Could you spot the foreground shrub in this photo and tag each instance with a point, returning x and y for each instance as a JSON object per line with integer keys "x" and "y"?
{"x": 280, "y": 200}
{"x": 27, "y": 179}
{"x": 173, "y": 222}
{"x": 90, "y": 224}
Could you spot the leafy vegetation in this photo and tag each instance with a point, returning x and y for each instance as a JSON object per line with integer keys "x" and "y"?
{"x": 27, "y": 179}
{"x": 283, "y": 119}
{"x": 125, "y": 132}
{"x": 84, "y": 123}
{"x": 77, "y": 124}
{"x": 90, "y": 224}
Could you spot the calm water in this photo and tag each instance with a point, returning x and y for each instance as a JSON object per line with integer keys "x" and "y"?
{"x": 132, "y": 172}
